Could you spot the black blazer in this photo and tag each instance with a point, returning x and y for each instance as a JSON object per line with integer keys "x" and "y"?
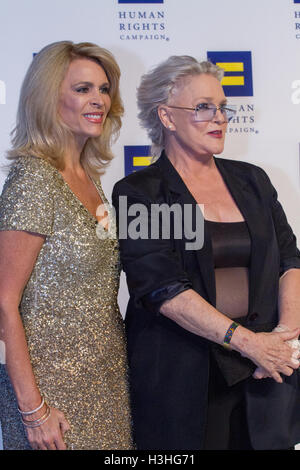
{"x": 168, "y": 365}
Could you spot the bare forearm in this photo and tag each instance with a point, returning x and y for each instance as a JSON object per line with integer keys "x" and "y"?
{"x": 269, "y": 351}
{"x": 195, "y": 314}
{"x": 289, "y": 299}
{"x": 17, "y": 359}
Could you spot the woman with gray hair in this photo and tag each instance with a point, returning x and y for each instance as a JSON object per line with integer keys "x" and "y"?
{"x": 63, "y": 374}
{"x": 213, "y": 327}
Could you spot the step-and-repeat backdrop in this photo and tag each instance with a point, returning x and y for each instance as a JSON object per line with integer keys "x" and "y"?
{"x": 257, "y": 43}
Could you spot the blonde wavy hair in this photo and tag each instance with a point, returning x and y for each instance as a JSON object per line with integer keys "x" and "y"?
{"x": 39, "y": 130}
{"x": 156, "y": 88}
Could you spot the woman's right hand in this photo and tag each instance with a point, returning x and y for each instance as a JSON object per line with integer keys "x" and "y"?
{"x": 50, "y": 435}
{"x": 271, "y": 353}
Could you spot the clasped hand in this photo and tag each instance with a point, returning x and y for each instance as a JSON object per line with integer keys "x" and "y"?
{"x": 279, "y": 353}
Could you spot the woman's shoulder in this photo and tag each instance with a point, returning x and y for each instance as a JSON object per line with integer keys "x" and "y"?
{"x": 26, "y": 202}
{"x": 31, "y": 171}
{"x": 239, "y": 165}
{"x": 243, "y": 169}
{"x": 145, "y": 181}
{"x": 33, "y": 165}
{"x": 30, "y": 175}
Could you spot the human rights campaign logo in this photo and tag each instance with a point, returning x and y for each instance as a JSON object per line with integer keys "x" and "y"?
{"x": 237, "y": 80}
{"x": 137, "y": 157}
{"x": 139, "y": 1}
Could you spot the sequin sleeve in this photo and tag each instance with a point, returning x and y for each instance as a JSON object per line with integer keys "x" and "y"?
{"x": 26, "y": 202}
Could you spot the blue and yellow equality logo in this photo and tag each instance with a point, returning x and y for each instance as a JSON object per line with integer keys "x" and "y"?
{"x": 139, "y": 1}
{"x": 237, "y": 80}
{"x": 137, "y": 157}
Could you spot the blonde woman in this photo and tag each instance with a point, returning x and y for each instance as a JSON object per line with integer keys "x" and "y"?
{"x": 63, "y": 383}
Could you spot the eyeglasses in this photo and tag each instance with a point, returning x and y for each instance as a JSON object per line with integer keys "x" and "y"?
{"x": 206, "y": 112}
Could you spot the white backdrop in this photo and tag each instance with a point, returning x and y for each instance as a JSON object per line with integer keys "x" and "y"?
{"x": 141, "y": 34}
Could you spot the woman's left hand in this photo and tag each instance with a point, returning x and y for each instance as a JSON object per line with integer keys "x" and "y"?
{"x": 261, "y": 373}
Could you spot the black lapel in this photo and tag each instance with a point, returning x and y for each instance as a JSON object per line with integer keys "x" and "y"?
{"x": 248, "y": 203}
{"x": 251, "y": 209}
{"x": 180, "y": 194}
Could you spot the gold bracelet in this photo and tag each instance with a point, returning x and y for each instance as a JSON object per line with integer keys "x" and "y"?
{"x": 37, "y": 422}
{"x": 26, "y": 413}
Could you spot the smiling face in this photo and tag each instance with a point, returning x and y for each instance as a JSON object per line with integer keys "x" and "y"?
{"x": 84, "y": 100}
{"x": 184, "y": 131}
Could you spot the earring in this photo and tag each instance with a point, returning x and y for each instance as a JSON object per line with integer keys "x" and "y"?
{"x": 170, "y": 127}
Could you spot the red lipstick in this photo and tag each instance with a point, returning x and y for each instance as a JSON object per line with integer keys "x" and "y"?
{"x": 216, "y": 134}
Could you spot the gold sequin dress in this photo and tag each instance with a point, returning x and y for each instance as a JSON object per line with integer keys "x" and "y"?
{"x": 69, "y": 309}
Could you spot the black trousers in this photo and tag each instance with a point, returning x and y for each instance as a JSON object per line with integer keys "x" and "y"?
{"x": 227, "y": 427}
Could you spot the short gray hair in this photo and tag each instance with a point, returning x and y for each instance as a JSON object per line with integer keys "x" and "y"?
{"x": 156, "y": 87}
